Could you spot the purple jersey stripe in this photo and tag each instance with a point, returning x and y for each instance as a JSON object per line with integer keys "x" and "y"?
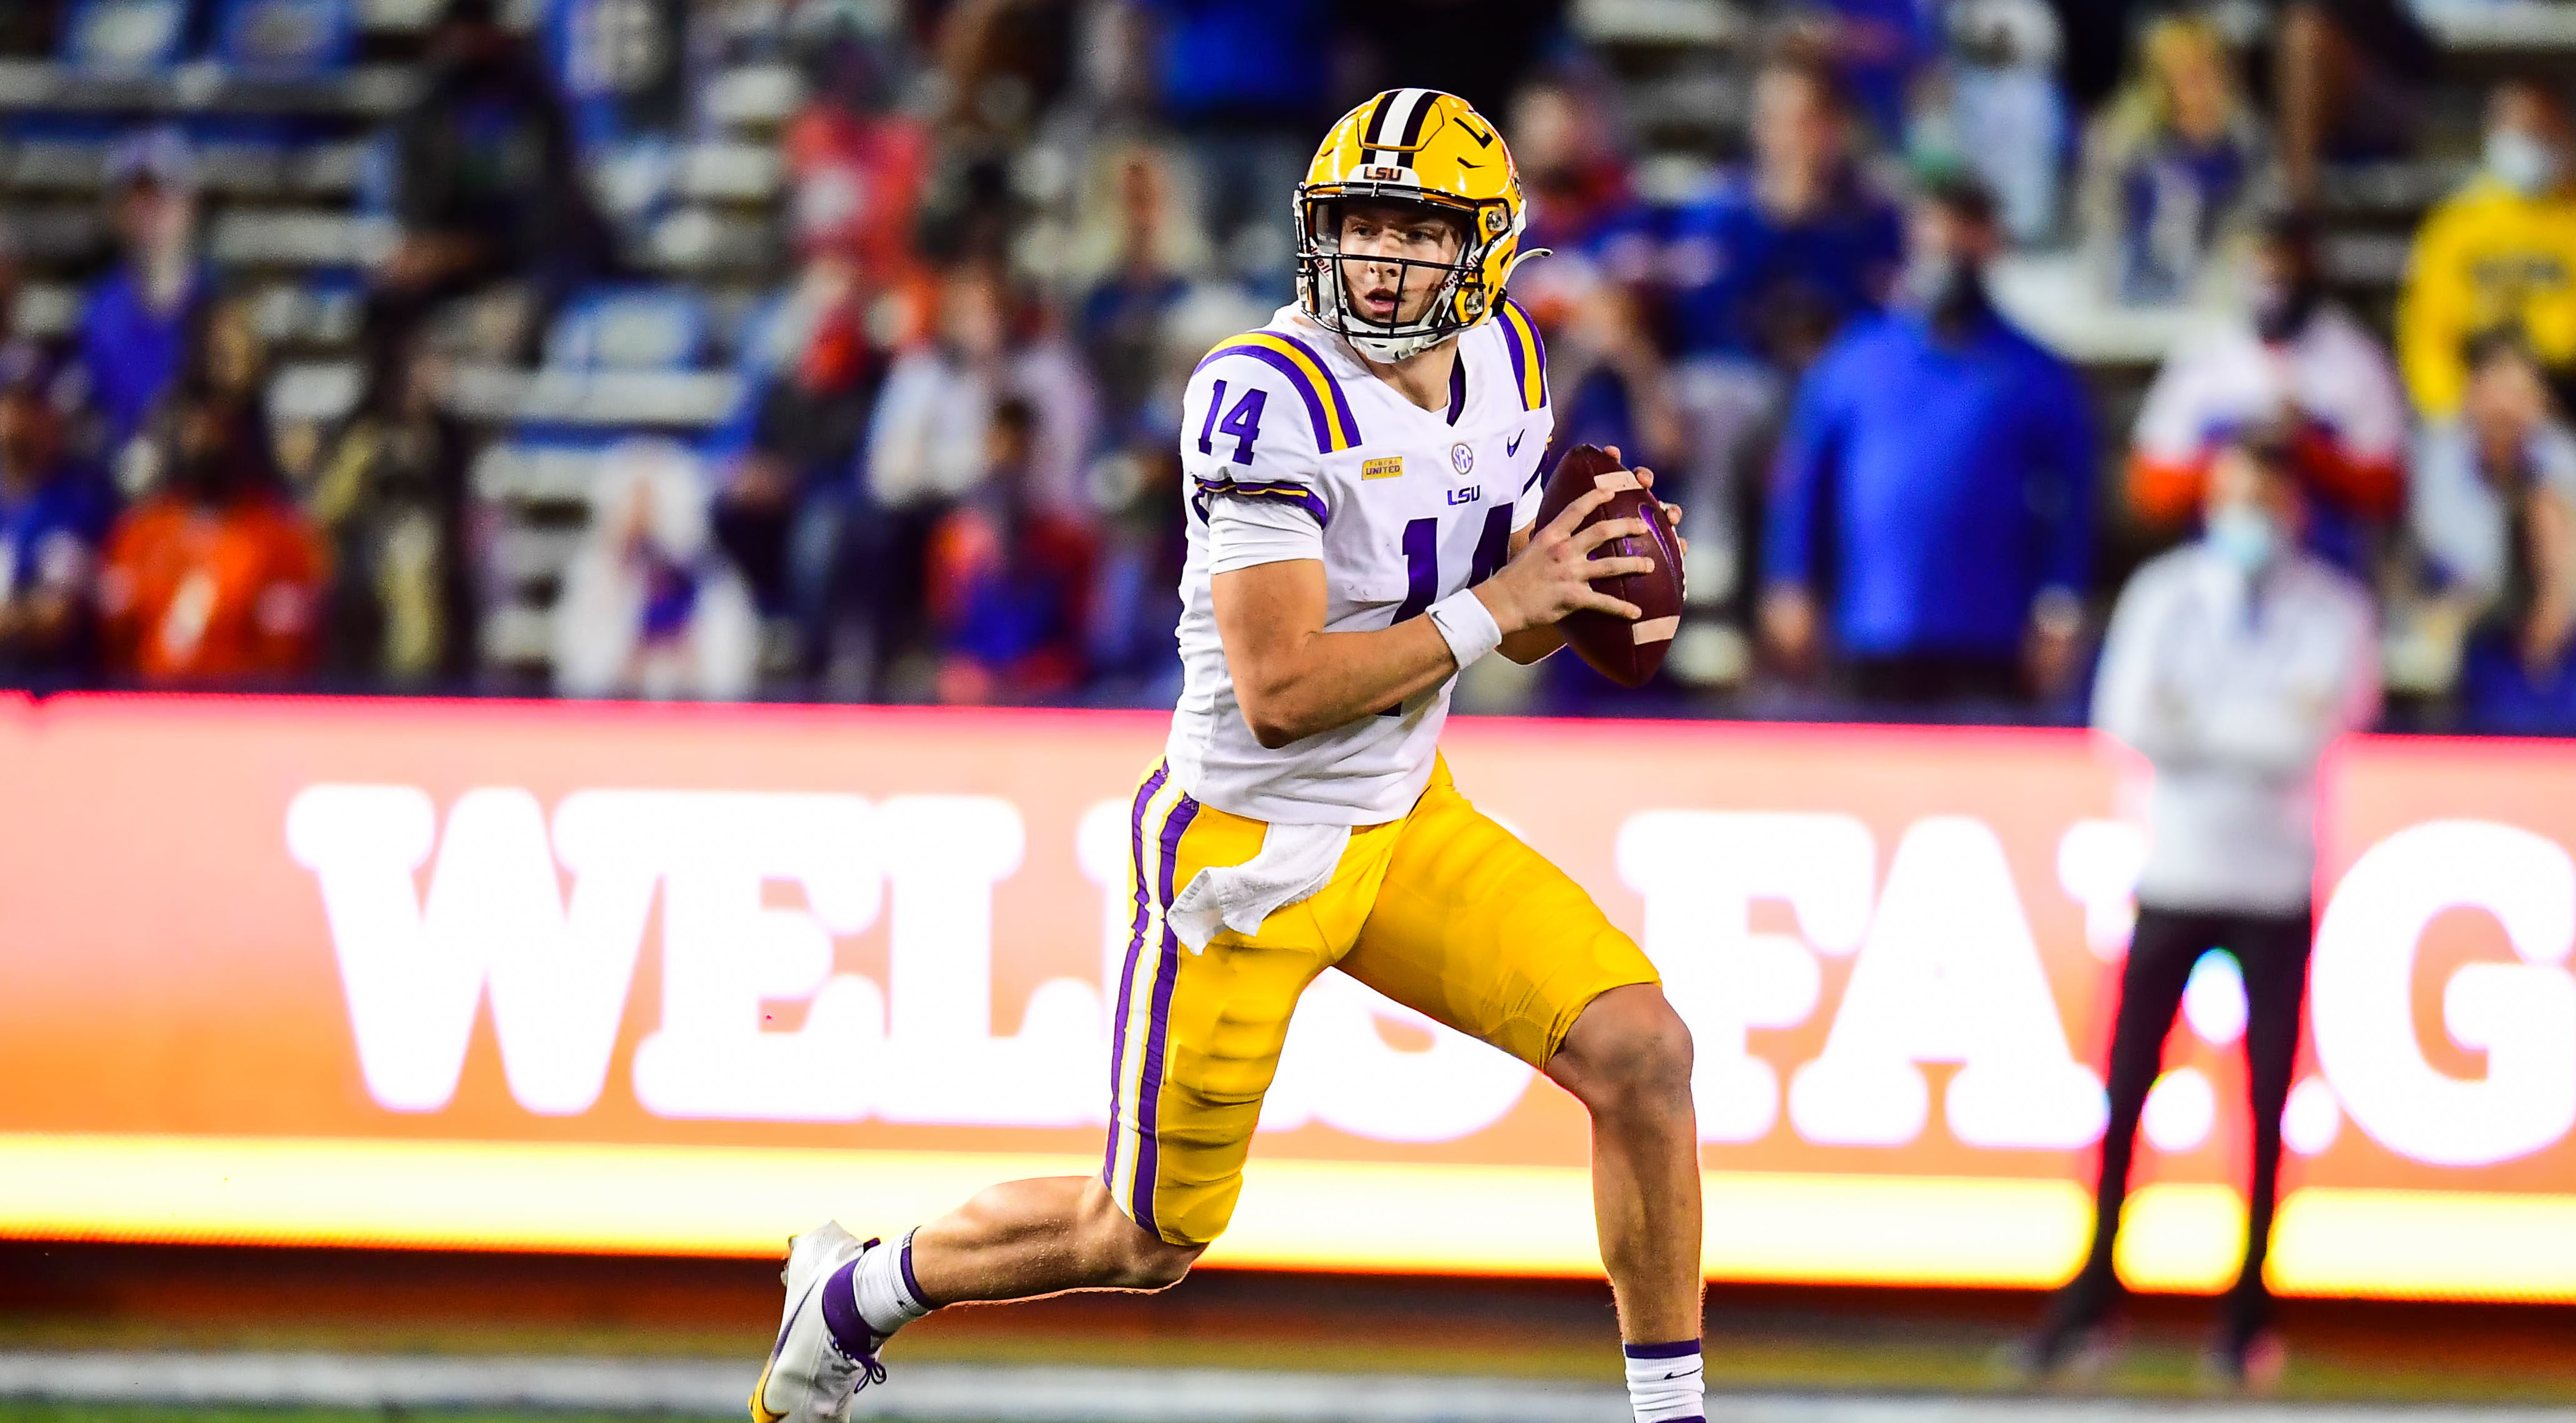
{"x": 1313, "y": 389}
{"x": 1680, "y": 1349}
{"x": 1148, "y": 1105}
{"x": 1520, "y": 358}
{"x": 1523, "y": 339}
{"x": 1297, "y": 494}
{"x": 1135, "y": 942}
{"x": 1332, "y": 386}
{"x": 1538, "y": 343}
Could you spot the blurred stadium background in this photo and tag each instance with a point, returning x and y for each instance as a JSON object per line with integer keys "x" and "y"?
{"x": 378, "y": 372}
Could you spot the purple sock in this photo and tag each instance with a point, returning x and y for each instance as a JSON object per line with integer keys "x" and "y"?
{"x": 841, "y": 1313}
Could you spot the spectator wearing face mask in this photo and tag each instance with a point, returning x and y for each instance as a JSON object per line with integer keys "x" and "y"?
{"x": 1937, "y": 476}
{"x": 54, "y": 514}
{"x": 2499, "y": 253}
{"x": 135, "y": 325}
{"x": 2295, "y": 359}
{"x": 2231, "y": 664}
{"x": 217, "y": 578}
{"x": 2494, "y": 517}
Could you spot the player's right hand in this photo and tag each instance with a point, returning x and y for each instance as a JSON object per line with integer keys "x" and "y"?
{"x": 1553, "y": 575}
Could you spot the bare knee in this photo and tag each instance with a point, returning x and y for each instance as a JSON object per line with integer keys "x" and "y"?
{"x": 1629, "y": 1054}
{"x": 1123, "y": 1255}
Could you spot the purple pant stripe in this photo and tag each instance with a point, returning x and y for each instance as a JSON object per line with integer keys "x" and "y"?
{"x": 1135, "y": 945}
{"x": 1148, "y": 1157}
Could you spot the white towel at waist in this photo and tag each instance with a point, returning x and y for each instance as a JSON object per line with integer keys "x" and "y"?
{"x": 1295, "y": 861}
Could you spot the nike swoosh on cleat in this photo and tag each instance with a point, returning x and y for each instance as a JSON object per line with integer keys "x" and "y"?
{"x": 760, "y": 1410}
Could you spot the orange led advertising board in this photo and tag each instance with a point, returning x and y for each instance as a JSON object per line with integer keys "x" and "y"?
{"x": 685, "y": 980}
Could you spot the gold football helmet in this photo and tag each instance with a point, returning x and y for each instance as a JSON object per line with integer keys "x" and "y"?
{"x": 1422, "y": 147}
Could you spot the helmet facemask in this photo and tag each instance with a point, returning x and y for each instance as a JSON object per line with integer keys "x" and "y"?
{"x": 1458, "y": 298}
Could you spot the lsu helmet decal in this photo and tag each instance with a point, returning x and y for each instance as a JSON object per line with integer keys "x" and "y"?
{"x": 1423, "y": 147}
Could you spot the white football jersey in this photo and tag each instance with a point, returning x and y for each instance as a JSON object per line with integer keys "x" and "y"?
{"x": 1412, "y": 505}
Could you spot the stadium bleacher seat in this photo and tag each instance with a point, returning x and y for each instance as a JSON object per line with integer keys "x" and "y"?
{"x": 630, "y": 328}
{"x": 297, "y": 39}
{"x": 126, "y": 36}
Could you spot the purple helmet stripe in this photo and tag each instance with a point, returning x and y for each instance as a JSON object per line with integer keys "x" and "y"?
{"x": 1135, "y": 943}
{"x": 1148, "y": 1159}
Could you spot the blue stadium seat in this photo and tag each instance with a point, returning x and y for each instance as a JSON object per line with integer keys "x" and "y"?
{"x": 126, "y": 36}
{"x": 288, "y": 39}
{"x": 630, "y": 328}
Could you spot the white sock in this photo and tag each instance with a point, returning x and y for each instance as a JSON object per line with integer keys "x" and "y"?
{"x": 883, "y": 1286}
{"x": 1665, "y": 1384}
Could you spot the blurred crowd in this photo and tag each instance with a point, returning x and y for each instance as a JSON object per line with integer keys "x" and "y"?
{"x": 1013, "y": 226}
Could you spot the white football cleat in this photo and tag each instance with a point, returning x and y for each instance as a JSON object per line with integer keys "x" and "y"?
{"x": 809, "y": 1378}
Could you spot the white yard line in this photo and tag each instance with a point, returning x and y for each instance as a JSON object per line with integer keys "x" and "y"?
{"x": 1045, "y": 1395}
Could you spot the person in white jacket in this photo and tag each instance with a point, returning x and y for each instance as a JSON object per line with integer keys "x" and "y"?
{"x": 2231, "y": 664}
{"x": 650, "y": 608}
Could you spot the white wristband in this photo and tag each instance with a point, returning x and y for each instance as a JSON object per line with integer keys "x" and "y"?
{"x": 1467, "y": 626}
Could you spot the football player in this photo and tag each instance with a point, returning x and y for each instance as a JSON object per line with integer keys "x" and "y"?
{"x": 1363, "y": 483}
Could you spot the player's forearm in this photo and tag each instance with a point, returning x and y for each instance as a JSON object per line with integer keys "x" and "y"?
{"x": 1329, "y": 679}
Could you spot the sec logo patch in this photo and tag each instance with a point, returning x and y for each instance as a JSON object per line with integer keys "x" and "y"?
{"x": 1461, "y": 458}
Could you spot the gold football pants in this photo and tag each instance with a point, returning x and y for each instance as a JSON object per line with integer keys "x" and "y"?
{"x": 1443, "y": 911}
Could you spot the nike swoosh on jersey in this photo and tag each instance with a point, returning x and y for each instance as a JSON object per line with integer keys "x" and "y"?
{"x": 1513, "y": 446}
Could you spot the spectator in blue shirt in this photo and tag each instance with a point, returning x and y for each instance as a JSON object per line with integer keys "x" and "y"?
{"x": 1935, "y": 489}
{"x": 54, "y": 514}
{"x": 133, "y": 334}
{"x": 1796, "y": 243}
{"x": 1763, "y": 273}
{"x": 1243, "y": 82}
{"x": 1879, "y": 47}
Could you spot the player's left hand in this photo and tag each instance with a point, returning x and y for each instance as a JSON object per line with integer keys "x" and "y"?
{"x": 1673, "y": 512}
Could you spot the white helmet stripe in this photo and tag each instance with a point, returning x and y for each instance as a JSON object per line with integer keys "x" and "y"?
{"x": 1394, "y": 118}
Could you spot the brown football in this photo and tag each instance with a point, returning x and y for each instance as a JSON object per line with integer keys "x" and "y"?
{"x": 1625, "y": 652}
